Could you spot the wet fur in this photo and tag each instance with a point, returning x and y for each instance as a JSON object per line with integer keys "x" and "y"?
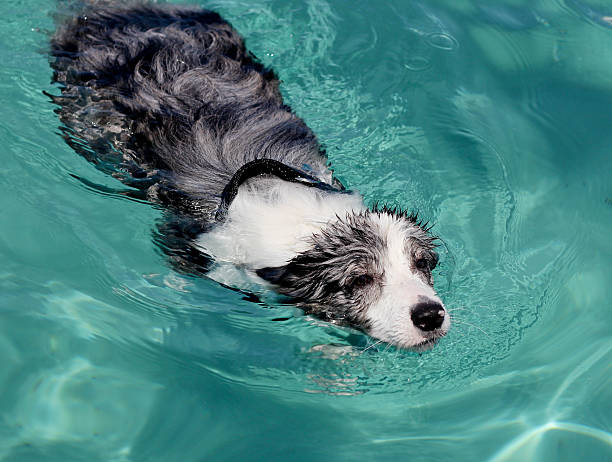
{"x": 168, "y": 100}
{"x": 154, "y": 82}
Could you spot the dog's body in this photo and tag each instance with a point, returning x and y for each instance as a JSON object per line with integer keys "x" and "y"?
{"x": 171, "y": 103}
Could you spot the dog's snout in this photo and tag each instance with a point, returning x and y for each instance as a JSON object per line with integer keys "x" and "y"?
{"x": 428, "y": 315}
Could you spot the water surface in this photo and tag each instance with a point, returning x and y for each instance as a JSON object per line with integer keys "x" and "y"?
{"x": 492, "y": 119}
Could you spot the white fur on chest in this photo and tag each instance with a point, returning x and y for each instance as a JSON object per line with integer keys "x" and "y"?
{"x": 270, "y": 222}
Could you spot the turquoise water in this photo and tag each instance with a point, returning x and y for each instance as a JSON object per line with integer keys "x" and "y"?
{"x": 493, "y": 119}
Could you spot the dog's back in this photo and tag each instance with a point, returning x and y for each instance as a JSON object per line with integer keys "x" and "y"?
{"x": 171, "y": 96}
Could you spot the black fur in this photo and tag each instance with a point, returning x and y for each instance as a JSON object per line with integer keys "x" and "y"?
{"x": 328, "y": 279}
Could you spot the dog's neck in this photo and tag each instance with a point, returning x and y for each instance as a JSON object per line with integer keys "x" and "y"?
{"x": 270, "y": 168}
{"x": 270, "y": 221}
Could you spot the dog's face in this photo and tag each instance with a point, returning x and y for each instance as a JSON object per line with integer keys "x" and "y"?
{"x": 371, "y": 270}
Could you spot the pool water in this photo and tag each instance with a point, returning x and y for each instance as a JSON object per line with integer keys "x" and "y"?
{"x": 492, "y": 119}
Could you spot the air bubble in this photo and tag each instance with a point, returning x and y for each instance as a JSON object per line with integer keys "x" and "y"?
{"x": 442, "y": 41}
{"x": 417, "y": 64}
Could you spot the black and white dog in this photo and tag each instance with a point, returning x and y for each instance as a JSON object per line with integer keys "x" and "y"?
{"x": 168, "y": 100}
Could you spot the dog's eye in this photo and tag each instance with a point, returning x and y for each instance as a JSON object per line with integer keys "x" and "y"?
{"x": 362, "y": 281}
{"x": 422, "y": 264}
{"x": 425, "y": 264}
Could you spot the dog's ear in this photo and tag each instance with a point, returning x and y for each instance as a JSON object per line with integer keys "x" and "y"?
{"x": 275, "y": 275}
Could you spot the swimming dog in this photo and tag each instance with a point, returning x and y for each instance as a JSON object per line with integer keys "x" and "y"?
{"x": 168, "y": 100}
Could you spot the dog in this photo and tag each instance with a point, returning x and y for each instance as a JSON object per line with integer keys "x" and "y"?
{"x": 168, "y": 100}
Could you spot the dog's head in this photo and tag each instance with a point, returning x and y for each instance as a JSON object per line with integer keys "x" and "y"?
{"x": 372, "y": 270}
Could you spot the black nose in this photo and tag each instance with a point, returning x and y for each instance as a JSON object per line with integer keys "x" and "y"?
{"x": 427, "y": 316}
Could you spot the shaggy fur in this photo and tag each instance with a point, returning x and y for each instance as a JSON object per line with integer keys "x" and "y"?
{"x": 154, "y": 81}
{"x": 168, "y": 100}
